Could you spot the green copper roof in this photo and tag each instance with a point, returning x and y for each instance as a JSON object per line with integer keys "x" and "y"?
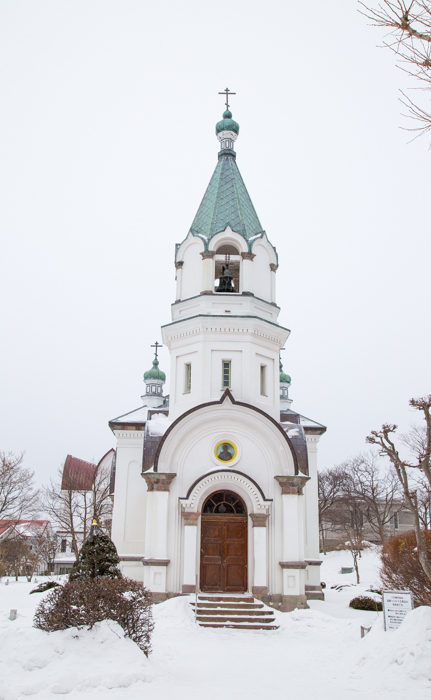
{"x": 226, "y": 203}
{"x": 155, "y": 372}
{"x": 284, "y": 378}
{"x": 227, "y": 123}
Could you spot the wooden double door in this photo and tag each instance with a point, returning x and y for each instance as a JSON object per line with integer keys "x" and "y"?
{"x": 223, "y": 553}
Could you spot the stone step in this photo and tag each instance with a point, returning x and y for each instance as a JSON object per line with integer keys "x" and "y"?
{"x": 224, "y": 611}
{"x": 228, "y": 606}
{"x": 315, "y": 595}
{"x": 226, "y": 599}
{"x": 235, "y": 619}
{"x": 239, "y": 626}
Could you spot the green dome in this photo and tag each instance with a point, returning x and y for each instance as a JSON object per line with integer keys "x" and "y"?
{"x": 227, "y": 123}
{"x": 284, "y": 378}
{"x": 155, "y": 373}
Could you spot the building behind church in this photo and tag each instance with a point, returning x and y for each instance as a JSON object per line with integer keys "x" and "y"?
{"x": 215, "y": 486}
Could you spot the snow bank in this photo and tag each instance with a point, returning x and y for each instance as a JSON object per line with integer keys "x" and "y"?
{"x": 69, "y": 660}
{"x": 158, "y": 424}
{"x": 402, "y": 654}
{"x": 315, "y": 652}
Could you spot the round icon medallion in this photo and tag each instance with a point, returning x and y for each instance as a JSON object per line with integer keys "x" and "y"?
{"x": 225, "y": 451}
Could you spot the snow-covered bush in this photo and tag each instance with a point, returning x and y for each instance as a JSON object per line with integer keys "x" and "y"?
{"x": 44, "y": 586}
{"x": 85, "y": 602}
{"x": 363, "y": 602}
{"x": 401, "y": 568}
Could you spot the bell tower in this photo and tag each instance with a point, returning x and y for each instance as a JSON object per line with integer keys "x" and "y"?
{"x": 224, "y": 332}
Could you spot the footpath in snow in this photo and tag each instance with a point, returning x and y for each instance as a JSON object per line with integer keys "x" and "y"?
{"x": 314, "y": 652}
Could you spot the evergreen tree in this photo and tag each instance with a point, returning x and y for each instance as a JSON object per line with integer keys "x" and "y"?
{"x": 98, "y": 557}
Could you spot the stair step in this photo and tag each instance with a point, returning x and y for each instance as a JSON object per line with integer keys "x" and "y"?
{"x": 226, "y": 599}
{"x": 229, "y": 606}
{"x": 224, "y": 612}
{"x": 240, "y": 626}
{"x": 234, "y": 618}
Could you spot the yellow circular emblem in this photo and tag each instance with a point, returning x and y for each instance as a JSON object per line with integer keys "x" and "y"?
{"x": 225, "y": 451}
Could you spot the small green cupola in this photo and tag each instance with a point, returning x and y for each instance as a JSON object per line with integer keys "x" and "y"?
{"x": 154, "y": 380}
{"x": 155, "y": 373}
{"x": 285, "y": 382}
{"x": 227, "y": 123}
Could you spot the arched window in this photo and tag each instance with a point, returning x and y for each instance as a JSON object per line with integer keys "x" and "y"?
{"x": 227, "y": 255}
{"x": 224, "y": 503}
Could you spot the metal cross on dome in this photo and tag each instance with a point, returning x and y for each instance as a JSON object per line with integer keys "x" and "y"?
{"x": 227, "y": 92}
{"x": 156, "y": 345}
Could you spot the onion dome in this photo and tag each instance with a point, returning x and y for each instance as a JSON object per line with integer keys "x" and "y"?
{"x": 155, "y": 373}
{"x": 284, "y": 378}
{"x": 227, "y": 123}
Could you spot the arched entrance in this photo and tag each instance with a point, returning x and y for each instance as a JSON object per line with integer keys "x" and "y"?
{"x": 224, "y": 543}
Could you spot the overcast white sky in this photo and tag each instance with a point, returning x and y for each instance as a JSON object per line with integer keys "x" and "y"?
{"x": 107, "y": 146}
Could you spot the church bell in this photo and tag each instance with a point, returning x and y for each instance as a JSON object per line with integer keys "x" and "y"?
{"x": 226, "y": 281}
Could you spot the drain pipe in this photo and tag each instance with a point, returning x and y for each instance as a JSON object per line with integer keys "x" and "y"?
{"x": 196, "y": 598}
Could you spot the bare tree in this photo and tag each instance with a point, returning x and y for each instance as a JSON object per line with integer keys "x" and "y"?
{"x": 14, "y": 551}
{"x": 48, "y": 548}
{"x": 74, "y": 510}
{"x": 101, "y": 503}
{"x": 18, "y": 497}
{"x": 409, "y": 37}
{"x": 64, "y": 509}
{"x": 330, "y": 489}
{"x": 376, "y": 489}
{"x": 419, "y": 442}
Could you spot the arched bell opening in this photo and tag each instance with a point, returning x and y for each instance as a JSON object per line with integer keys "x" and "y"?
{"x": 223, "y": 566}
{"x": 227, "y": 269}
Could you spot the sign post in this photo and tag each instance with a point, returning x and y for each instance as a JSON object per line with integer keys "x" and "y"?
{"x": 396, "y": 605}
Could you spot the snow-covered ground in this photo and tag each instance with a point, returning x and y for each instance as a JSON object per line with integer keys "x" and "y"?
{"x": 315, "y": 652}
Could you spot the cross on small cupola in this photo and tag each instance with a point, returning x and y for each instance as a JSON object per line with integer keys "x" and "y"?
{"x": 227, "y": 92}
{"x": 156, "y": 345}
{"x": 154, "y": 380}
{"x": 227, "y": 129}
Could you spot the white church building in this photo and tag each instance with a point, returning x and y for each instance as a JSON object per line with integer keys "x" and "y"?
{"x": 215, "y": 486}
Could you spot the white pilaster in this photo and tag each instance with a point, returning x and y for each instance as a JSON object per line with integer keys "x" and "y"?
{"x": 293, "y": 563}
{"x": 208, "y": 271}
{"x": 247, "y": 272}
{"x": 179, "y": 279}
{"x": 190, "y": 551}
{"x": 156, "y": 541}
{"x": 273, "y": 285}
{"x": 260, "y": 578}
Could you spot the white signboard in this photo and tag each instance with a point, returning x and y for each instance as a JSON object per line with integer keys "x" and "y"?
{"x": 396, "y": 605}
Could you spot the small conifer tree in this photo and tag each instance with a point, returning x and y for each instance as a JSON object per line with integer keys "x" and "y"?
{"x": 98, "y": 557}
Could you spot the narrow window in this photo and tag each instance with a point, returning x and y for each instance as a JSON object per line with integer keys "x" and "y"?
{"x": 188, "y": 378}
{"x": 263, "y": 380}
{"x": 396, "y": 521}
{"x": 226, "y": 367}
{"x": 63, "y": 545}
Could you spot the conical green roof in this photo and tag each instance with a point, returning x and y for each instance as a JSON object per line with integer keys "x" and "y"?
{"x": 226, "y": 202}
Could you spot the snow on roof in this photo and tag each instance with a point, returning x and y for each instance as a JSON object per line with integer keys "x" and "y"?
{"x": 158, "y": 424}
{"x": 28, "y": 528}
{"x": 138, "y": 415}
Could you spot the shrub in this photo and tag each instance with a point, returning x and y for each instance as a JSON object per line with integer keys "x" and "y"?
{"x": 363, "y": 602}
{"x": 85, "y": 602}
{"x": 44, "y": 586}
{"x": 401, "y": 568}
{"x": 98, "y": 557}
